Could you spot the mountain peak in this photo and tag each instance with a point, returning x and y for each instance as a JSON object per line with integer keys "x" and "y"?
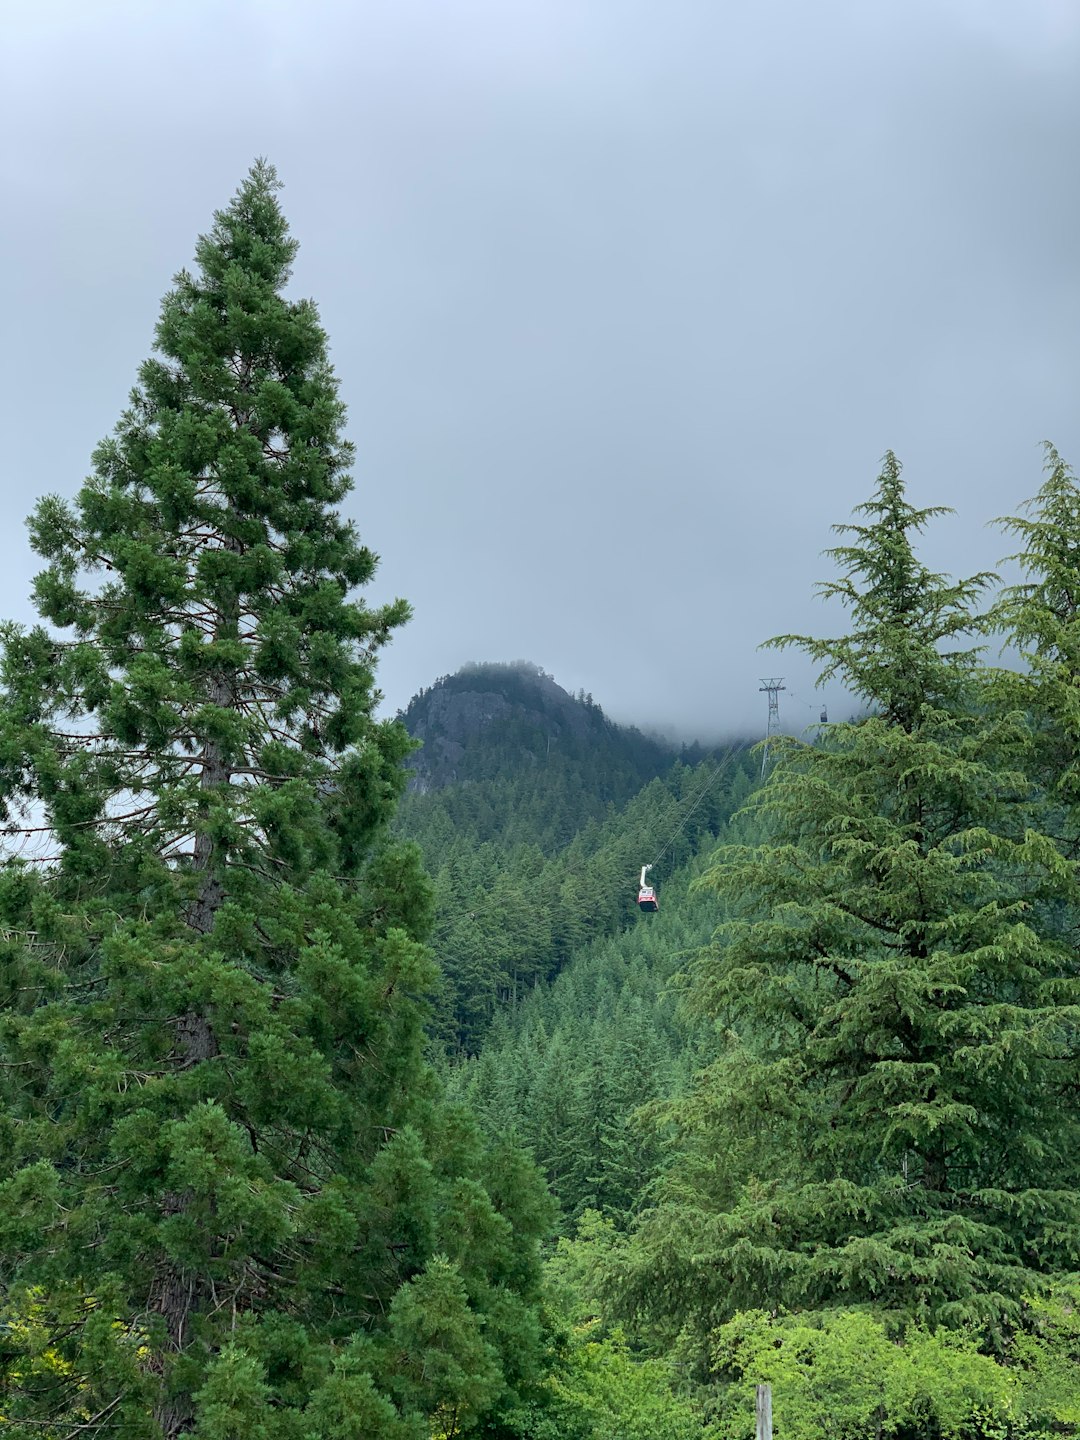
{"x": 490, "y": 718}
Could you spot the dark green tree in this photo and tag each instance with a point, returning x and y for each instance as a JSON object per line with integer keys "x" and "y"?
{"x": 887, "y": 1124}
{"x": 1041, "y": 618}
{"x": 226, "y": 1180}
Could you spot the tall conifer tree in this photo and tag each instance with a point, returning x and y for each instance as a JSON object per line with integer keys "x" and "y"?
{"x": 229, "y": 1205}
{"x": 887, "y": 1125}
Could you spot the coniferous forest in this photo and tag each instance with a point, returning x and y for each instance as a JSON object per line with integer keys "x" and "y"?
{"x": 347, "y": 1093}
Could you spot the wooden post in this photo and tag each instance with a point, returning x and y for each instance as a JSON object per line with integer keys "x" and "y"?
{"x": 764, "y": 1412}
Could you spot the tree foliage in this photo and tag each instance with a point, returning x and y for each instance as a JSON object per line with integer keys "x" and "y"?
{"x": 1040, "y": 617}
{"x": 225, "y": 1165}
{"x": 892, "y": 1120}
{"x": 842, "y": 1377}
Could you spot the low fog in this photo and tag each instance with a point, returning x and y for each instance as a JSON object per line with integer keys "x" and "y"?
{"x": 626, "y": 300}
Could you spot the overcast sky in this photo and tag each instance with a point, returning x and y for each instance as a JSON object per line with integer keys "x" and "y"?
{"x": 626, "y": 299}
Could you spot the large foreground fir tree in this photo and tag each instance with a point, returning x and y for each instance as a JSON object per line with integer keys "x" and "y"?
{"x": 230, "y": 1204}
{"x": 893, "y": 1122}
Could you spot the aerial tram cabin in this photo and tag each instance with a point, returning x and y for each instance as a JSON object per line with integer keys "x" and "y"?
{"x": 646, "y": 895}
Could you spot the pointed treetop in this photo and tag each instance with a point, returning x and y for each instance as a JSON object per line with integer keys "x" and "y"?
{"x": 1049, "y": 530}
{"x": 251, "y": 231}
{"x": 896, "y": 656}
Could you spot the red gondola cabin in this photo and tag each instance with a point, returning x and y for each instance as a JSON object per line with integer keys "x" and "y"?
{"x": 646, "y": 895}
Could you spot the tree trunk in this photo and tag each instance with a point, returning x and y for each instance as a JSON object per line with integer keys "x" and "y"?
{"x": 176, "y": 1299}
{"x": 181, "y": 1293}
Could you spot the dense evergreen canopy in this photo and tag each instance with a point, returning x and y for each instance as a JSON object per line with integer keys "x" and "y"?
{"x": 231, "y": 1202}
{"x": 893, "y": 1121}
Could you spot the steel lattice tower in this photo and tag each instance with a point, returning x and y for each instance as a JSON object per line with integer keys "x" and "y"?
{"x": 772, "y": 688}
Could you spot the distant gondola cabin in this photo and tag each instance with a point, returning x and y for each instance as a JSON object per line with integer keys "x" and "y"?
{"x": 646, "y": 895}
{"x": 646, "y": 898}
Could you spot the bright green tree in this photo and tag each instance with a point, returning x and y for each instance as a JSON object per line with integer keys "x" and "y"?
{"x": 887, "y": 1124}
{"x": 224, "y": 1171}
{"x": 843, "y": 1377}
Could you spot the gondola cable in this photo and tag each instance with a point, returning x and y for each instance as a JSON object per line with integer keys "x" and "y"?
{"x": 647, "y": 893}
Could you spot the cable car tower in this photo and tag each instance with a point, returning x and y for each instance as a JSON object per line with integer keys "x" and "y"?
{"x": 772, "y": 688}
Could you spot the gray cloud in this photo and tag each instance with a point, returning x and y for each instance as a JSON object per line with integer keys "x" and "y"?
{"x": 627, "y": 300}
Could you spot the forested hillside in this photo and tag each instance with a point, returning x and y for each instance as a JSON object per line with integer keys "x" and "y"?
{"x": 821, "y": 1108}
{"x": 537, "y": 838}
